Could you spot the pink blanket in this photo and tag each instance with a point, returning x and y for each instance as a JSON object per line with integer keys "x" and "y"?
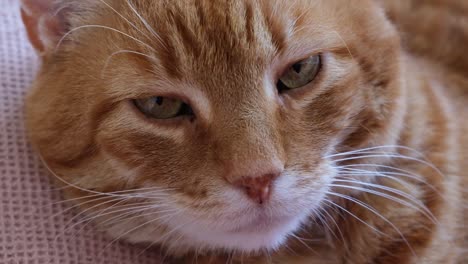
{"x": 35, "y": 228}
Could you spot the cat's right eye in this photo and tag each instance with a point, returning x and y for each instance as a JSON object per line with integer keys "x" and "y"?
{"x": 159, "y": 107}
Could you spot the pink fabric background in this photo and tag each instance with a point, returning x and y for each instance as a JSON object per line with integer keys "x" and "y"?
{"x": 32, "y": 223}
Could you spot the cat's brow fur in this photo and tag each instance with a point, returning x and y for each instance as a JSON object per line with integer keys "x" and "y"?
{"x": 394, "y": 81}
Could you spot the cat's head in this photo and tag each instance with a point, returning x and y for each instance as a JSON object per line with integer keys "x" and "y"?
{"x": 221, "y": 113}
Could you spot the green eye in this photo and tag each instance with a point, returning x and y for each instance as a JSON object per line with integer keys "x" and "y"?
{"x": 300, "y": 74}
{"x": 163, "y": 107}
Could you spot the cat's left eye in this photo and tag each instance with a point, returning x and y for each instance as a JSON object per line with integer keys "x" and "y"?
{"x": 159, "y": 107}
{"x": 300, "y": 74}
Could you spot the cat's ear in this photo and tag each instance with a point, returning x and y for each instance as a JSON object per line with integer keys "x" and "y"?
{"x": 45, "y": 23}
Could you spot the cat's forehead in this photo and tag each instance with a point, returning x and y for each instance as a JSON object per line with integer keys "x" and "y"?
{"x": 235, "y": 43}
{"x": 208, "y": 34}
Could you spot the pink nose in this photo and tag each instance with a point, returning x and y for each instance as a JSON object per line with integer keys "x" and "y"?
{"x": 257, "y": 188}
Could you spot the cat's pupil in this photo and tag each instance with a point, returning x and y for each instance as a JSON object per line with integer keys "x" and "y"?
{"x": 159, "y": 100}
{"x": 297, "y": 67}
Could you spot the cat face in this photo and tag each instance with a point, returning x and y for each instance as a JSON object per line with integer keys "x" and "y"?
{"x": 220, "y": 115}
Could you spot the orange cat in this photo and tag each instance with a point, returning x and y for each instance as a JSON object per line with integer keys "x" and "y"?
{"x": 259, "y": 131}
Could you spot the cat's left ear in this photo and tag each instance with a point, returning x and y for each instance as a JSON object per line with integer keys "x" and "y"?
{"x": 45, "y": 23}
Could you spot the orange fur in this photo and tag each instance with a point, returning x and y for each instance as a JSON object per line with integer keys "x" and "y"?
{"x": 392, "y": 76}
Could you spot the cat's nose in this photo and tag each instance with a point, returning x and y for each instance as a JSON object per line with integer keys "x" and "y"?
{"x": 257, "y": 188}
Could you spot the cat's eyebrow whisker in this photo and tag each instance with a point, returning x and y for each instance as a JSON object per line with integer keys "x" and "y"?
{"x": 374, "y": 211}
{"x": 294, "y": 23}
{"x": 147, "y": 25}
{"x": 299, "y": 29}
{"x": 100, "y": 27}
{"x": 416, "y": 204}
{"x": 344, "y": 43}
{"x": 124, "y": 18}
{"x": 106, "y": 64}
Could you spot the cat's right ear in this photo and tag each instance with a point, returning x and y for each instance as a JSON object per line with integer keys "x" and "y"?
{"x": 44, "y": 22}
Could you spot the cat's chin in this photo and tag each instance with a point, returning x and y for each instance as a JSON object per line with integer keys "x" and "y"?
{"x": 257, "y": 235}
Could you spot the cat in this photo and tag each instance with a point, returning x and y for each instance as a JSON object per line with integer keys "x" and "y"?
{"x": 268, "y": 131}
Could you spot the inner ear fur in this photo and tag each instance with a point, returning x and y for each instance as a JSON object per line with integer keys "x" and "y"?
{"x": 45, "y": 23}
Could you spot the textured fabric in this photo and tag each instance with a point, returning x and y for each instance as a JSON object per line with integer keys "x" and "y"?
{"x": 33, "y": 221}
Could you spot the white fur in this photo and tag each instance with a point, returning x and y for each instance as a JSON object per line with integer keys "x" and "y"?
{"x": 241, "y": 225}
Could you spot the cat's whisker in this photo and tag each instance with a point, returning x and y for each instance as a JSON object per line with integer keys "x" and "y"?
{"x": 392, "y": 176}
{"x": 86, "y": 221}
{"x": 100, "y": 27}
{"x": 84, "y": 212}
{"x": 135, "y": 212}
{"x": 345, "y": 244}
{"x": 420, "y": 207}
{"x": 269, "y": 258}
{"x": 119, "y": 197}
{"x": 395, "y": 171}
{"x": 74, "y": 185}
{"x": 302, "y": 242}
{"x": 390, "y": 147}
{"x": 134, "y": 193}
{"x": 394, "y": 156}
{"x": 370, "y": 174}
{"x": 167, "y": 235}
{"x": 138, "y": 227}
{"x": 79, "y": 205}
{"x": 128, "y": 215}
{"x": 89, "y": 209}
{"x": 113, "y": 209}
{"x": 122, "y": 194}
{"x": 146, "y": 24}
{"x": 292, "y": 251}
{"x": 324, "y": 222}
{"x": 354, "y": 216}
{"x": 374, "y": 211}
{"x": 230, "y": 258}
